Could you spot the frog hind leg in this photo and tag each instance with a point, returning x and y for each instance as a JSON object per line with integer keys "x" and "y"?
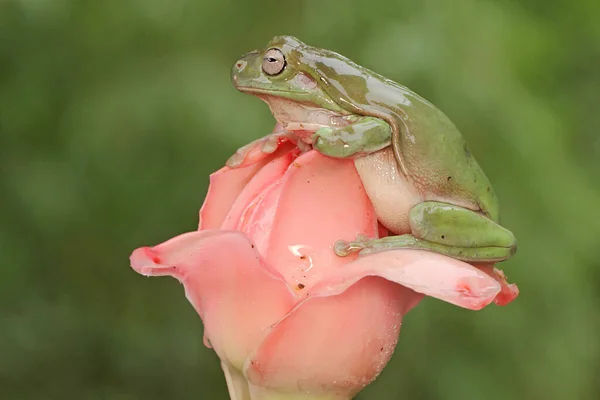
{"x": 365, "y": 135}
{"x": 447, "y": 229}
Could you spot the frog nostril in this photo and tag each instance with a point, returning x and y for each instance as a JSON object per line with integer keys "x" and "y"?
{"x": 240, "y": 65}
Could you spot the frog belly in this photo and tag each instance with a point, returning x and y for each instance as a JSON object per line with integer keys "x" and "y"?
{"x": 391, "y": 193}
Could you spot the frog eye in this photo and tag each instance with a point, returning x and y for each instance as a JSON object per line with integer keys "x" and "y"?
{"x": 273, "y": 62}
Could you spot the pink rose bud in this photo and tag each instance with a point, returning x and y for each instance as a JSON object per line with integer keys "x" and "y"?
{"x": 287, "y": 317}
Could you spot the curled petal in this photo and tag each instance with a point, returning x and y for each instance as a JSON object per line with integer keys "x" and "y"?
{"x": 236, "y": 295}
{"x": 271, "y": 172}
{"x": 424, "y": 272}
{"x": 296, "y": 221}
{"x": 225, "y": 186}
{"x": 334, "y": 345}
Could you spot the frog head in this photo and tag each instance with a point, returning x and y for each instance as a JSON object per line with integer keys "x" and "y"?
{"x": 283, "y": 75}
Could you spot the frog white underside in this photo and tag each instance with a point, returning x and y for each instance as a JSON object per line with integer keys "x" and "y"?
{"x": 302, "y": 117}
{"x": 389, "y": 190}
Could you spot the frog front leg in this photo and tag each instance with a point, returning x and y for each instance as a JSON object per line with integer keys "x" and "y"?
{"x": 364, "y": 135}
{"x": 266, "y": 145}
{"x": 447, "y": 229}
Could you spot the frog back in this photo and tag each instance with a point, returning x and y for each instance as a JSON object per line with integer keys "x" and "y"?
{"x": 436, "y": 158}
{"x": 429, "y": 149}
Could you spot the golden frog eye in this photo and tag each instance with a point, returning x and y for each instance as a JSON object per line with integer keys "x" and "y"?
{"x": 273, "y": 62}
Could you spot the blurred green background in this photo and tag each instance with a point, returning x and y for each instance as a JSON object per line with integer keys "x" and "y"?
{"x": 114, "y": 112}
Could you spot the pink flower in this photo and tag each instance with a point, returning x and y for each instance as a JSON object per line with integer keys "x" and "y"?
{"x": 286, "y": 316}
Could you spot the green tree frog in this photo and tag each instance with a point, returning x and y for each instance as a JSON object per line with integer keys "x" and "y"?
{"x": 408, "y": 153}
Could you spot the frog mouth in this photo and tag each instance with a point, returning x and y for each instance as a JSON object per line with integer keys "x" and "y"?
{"x": 267, "y": 92}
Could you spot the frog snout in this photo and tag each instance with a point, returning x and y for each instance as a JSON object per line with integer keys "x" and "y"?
{"x": 242, "y": 68}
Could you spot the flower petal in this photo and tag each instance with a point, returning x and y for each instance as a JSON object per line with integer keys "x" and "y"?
{"x": 269, "y": 173}
{"x": 424, "y": 272}
{"x": 508, "y": 291}
{"x": 298, "y": 219}
{"x": 225, "y": 186}
{"x": 236, "y": 295}
{"x": 335, "y": 345}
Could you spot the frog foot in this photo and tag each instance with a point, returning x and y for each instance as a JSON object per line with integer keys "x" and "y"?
{"x": 255, "y": 150}
{"x": 365, "y": 135}
{"x": 343, "y": 248}
{"x": 329, "y": 142}
{"x": 365, "y": 245}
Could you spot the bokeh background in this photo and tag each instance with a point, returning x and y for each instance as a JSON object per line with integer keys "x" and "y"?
{"x": 114, "y": 112}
